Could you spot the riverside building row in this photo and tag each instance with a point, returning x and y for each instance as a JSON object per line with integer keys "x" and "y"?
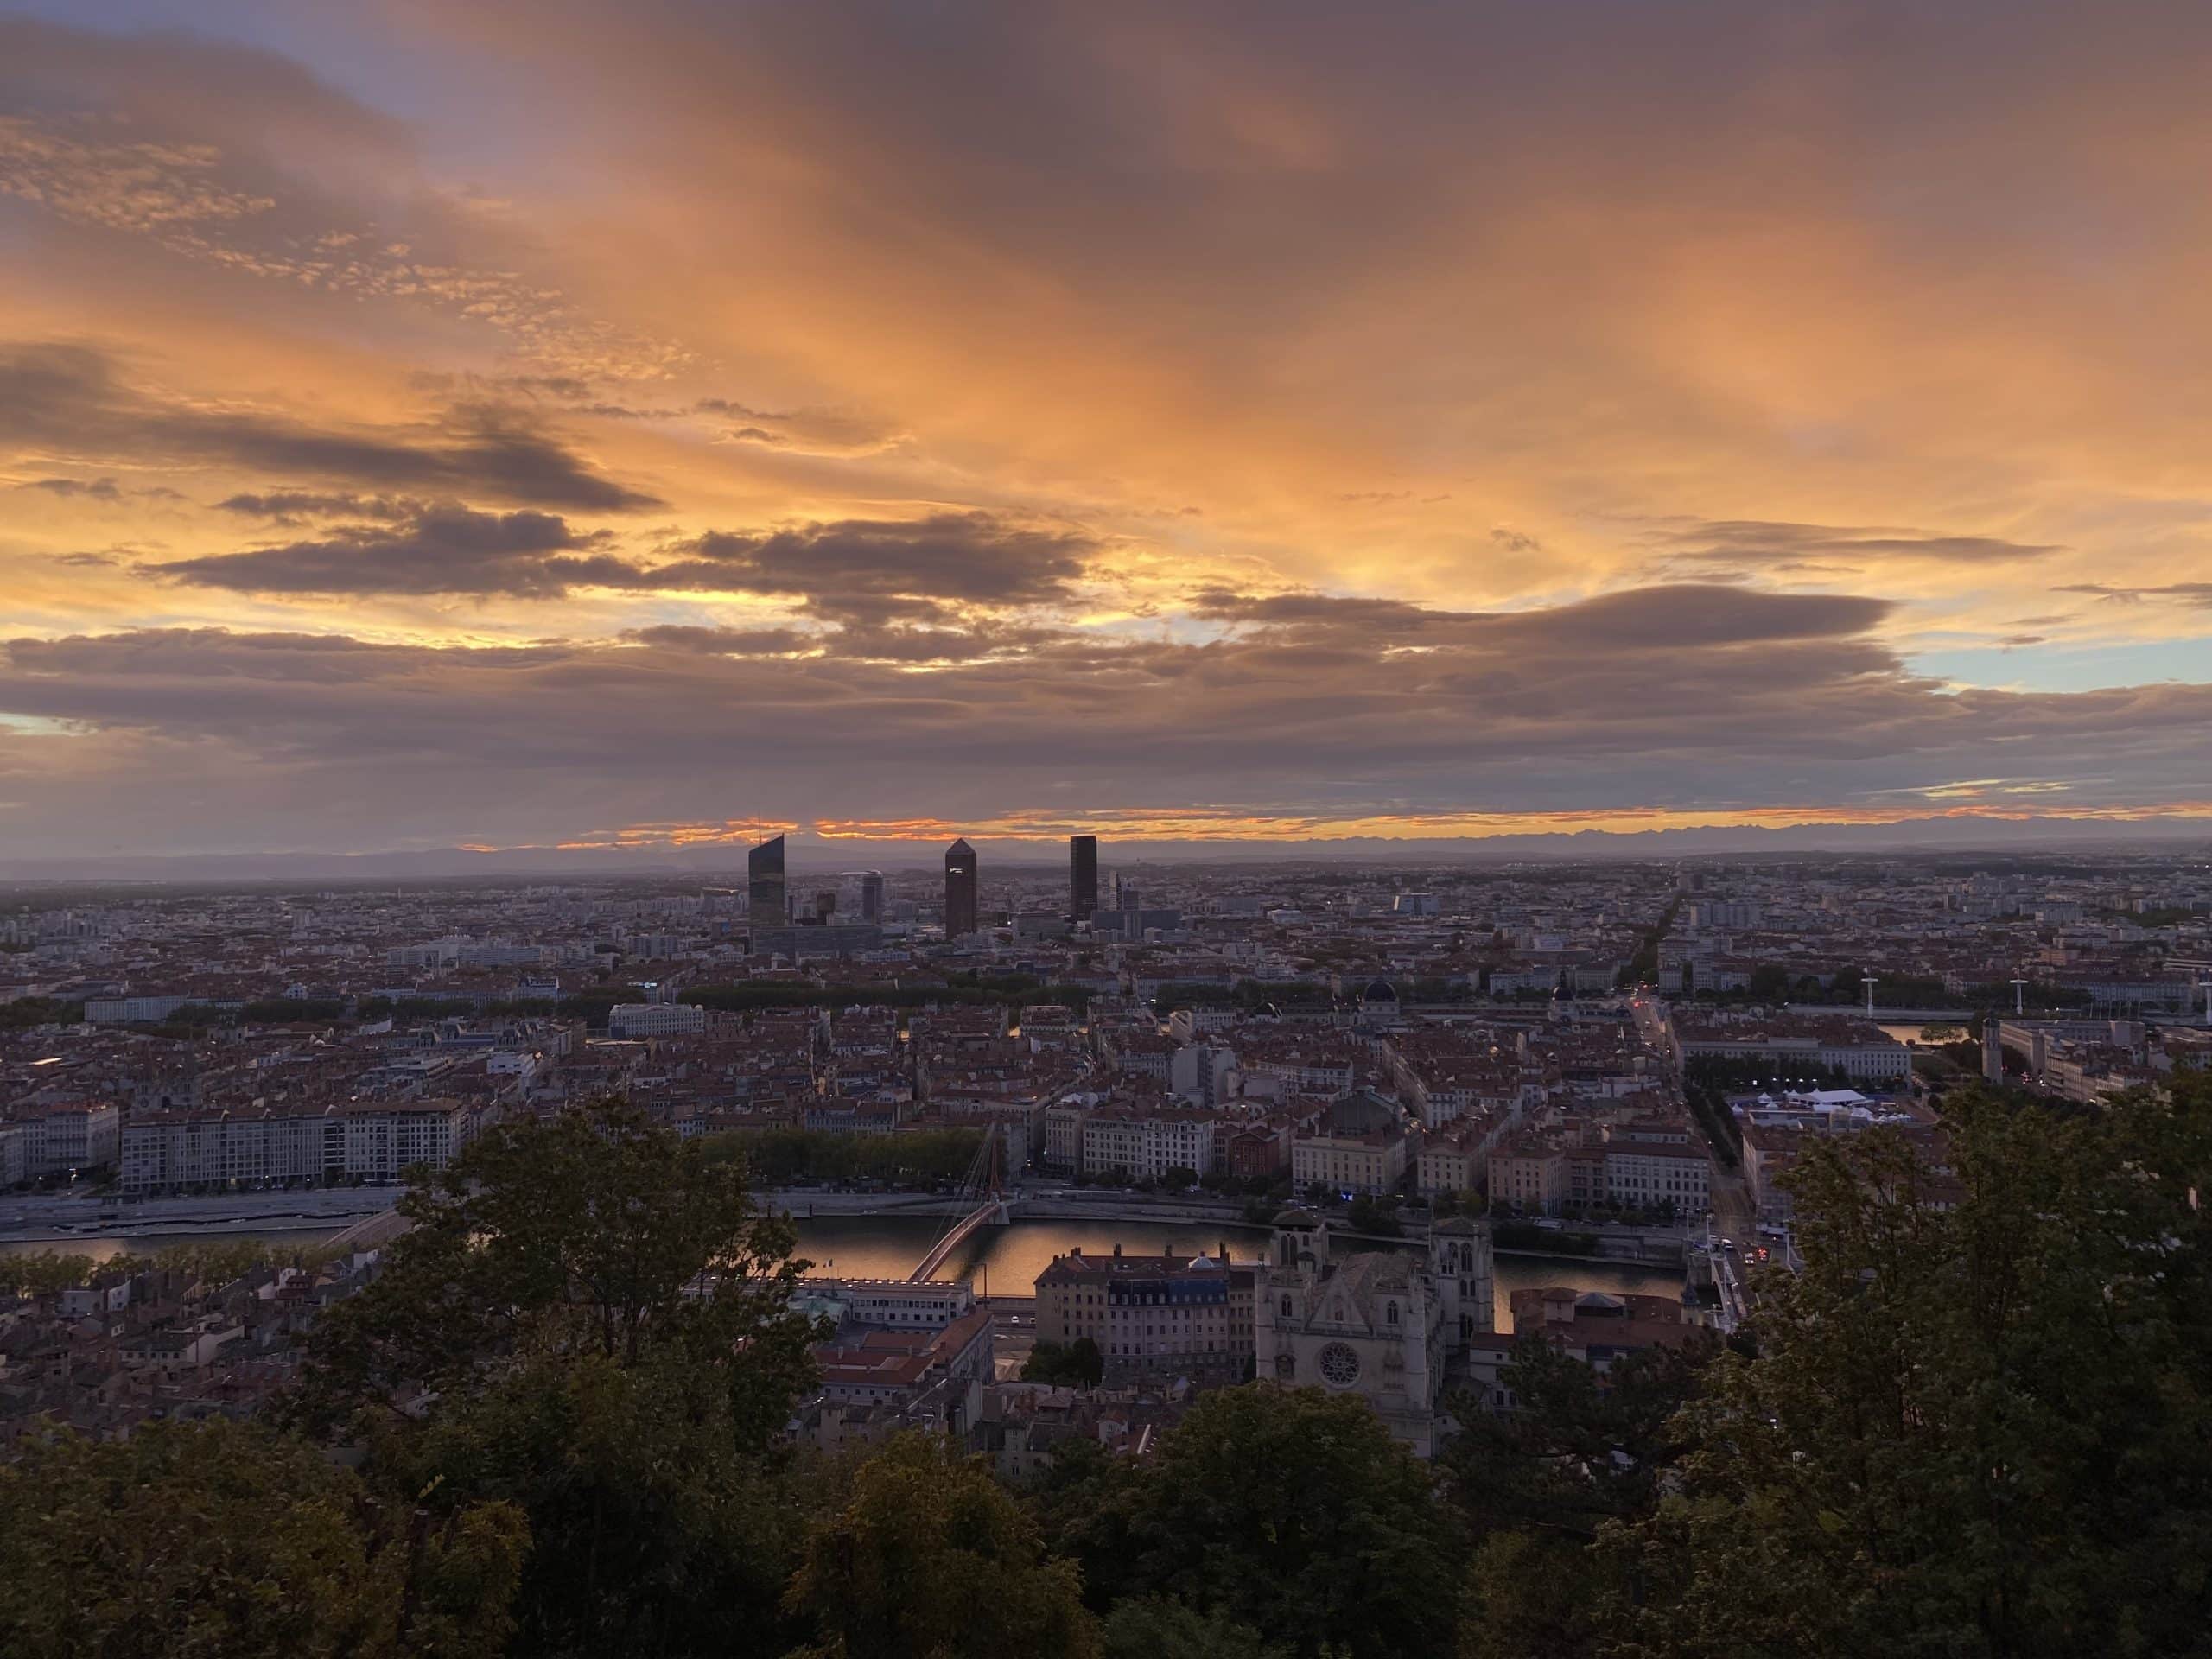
{"x": 371, "y": 1141}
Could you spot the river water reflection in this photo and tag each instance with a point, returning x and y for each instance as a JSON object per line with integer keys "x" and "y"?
{"x": 1006, "y": 1261}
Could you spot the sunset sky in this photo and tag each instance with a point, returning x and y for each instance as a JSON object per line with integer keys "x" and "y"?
{"x": 497, "y": 424}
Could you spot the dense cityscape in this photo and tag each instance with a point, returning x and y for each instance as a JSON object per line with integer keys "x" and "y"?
{"x": 1369, "y": 1086}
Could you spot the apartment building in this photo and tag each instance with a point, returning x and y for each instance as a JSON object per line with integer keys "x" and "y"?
{"x": 63, "y": 1135}
{"x": 636, "y": 1020}
{"x": 1153, "y": 1316}
{"x": 370, "y": 1140}
{"x": 1360, "y": 1145}
{"x": 1146, "y": 1142}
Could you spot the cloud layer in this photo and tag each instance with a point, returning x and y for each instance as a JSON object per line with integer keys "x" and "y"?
{"x": 425, "y": 424}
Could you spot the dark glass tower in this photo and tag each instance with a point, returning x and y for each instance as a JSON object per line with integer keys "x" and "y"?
{"x": 1083, "y": 877}
{"x": 959, "y": 889}
{"x": 764, "y": 885}
{"x": 871, "y": 895}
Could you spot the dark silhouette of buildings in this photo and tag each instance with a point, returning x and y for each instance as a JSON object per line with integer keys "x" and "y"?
{"x": 1083, "y": 877}
{"x": 959, "y": 889}
{"x": 764, "y": 904}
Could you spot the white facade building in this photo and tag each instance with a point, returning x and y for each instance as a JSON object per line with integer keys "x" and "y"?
{"x": 1143, "y": 1144}
{"x": 635, "y": 1019}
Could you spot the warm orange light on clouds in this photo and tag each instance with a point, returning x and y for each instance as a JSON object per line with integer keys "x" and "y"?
{"x": 431, "y": 425}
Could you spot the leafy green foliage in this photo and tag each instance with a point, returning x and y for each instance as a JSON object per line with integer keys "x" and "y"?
{"x": 1509, "y": 1235}
{"x": 1077, "y": 1365}
{"x": 1977, "y": 1421}
{"x": 932, "y": 1559}
{"x": 597, "y": 1232}
{"x": 1376, "y": 1220}
{"x": 1579, "y": 1450}
{"x": 1293, "y": 1511}
{"x": 656, "y": 1517}
{"x": 219, "y": 1539}
{"x": 1535, "y": 1592}
{"x": 1153, "y": 1627}
{"x": 43, "y": 1272}
{"x": 588, "y": 1321}
{"x": 25, "y": 1012}
{"x": 778, "y": 1157}
{"x": 212, "y": 1261}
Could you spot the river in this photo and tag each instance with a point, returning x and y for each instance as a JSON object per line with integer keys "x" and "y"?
{"x": 1005, "y": 1260}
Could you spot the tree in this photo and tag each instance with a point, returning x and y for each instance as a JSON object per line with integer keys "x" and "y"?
{"x": 655, "y": 1521}
{"x": 44, "y": 1273}
{"x": 1578, "y": 1450}
{"x": 590, "y": 1321}
{"x": 1535, "y": 1593}
{"x": 1292, "y": 1510}
{"x": 932, "y": 1559}
{"x": 1152, "y": 1627}
{"x": 26, "y": 1012}
{"x": 1077, "y": 1365}
{"x": 1981, "y": 1429}
{"x": 1084, "y": 1503}
{"x": 1366, "y": 1216}
{"x": 1770, "y": 982}
{"x": 598, "y": 1232}
{"x": 222, "y": 1538}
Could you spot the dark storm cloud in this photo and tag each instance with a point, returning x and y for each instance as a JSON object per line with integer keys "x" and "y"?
{"x": 1762, "y": 543}
{"x": 97, "y": 489}
{"x": 1641, "y": 619}
{"x": 969, "y": 556}
{"x": 445, "y": 550}
{"x": 1539, "y": 712}
{"x": 68, "y": 399}
{"x": 891, "y": 589}
{"x": 291, "y": 506}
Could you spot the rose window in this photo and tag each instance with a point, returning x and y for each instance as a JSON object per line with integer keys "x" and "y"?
{"x": 1339, "y": 1365}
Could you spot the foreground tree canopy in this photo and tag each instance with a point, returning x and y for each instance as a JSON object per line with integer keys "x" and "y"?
{"x": 1976, "y": 1424}
{"x": 1979, "y": 1421}
{"x": 220, "y": 1539}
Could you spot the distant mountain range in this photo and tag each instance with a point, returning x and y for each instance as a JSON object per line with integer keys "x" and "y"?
{"x": 726, "y": 861}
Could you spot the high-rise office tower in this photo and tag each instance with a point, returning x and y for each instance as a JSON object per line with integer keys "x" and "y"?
{"x": 1083, "y": 877}
{"x": 871, "y": 895}
{"x": 959, "y": 889}
{"x": 764, "y": 885}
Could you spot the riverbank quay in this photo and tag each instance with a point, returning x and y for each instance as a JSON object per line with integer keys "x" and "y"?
{"x": 58, "y": 1218}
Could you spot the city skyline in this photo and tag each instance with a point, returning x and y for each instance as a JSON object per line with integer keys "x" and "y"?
{"x": 428, "y": 429}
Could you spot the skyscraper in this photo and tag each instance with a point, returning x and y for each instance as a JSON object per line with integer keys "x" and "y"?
{"x": 959, "y": 889}
{"x": 871, "y": 895}
{"x": 764, "y": 879}
{"x": 1083, "y": 877}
